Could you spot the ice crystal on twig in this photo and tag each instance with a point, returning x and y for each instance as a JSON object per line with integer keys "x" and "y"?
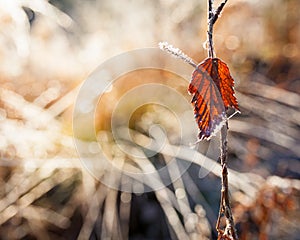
{"x": 176, "y": 52}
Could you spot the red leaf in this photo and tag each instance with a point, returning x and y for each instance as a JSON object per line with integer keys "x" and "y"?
{"x": 213, "y": 93}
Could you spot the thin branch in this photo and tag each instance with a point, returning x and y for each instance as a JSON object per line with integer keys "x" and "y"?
{"x": 225, "y": 208}
{"x": 212, "y": 18}
{"x": 210, "y": 9}
{"x": 176, "y": 52}
{"x": 218, "y": 12}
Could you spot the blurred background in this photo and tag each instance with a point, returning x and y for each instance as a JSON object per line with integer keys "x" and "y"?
{"x": 48, "y": 48}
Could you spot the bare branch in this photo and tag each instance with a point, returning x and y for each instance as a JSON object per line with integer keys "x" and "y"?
{"x": 212, "y": 18}
{"x": 176, "y": 52}
{"x": 228, "y": 231}
{"x": 225, "y": 208}
{"x": 210, "y": 9}
{"x": 218, "y": 12}
{"x": 210, "y": 30}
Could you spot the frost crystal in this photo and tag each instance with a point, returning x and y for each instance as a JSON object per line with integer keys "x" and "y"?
{"x": 176, "y": 52}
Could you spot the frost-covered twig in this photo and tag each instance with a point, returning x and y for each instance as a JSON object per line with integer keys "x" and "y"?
{"x": 176, "y": 52}
{"x": 213, "y": 16}
{"x": 229, "y": 231}
{"x": 225, "y": 208}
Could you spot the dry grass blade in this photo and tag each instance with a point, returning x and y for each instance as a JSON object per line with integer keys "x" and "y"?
{"x": 267, "y": 108}
{"x": 165, "y": 202}
{"x": 26, "y": 110}
{"x": 48, "y": 10}
{"x": 110, "y": 224}
{"x": 271, "y": 92}
{"x": 35, "y": 213}
{"x": 24, "y": 196}
{"x": 193, "y": 156}
{"x": 266, "y": 134}
{"x": 94, "y": 205}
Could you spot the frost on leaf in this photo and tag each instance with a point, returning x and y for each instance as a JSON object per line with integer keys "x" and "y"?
{"x": 212, "y": 89}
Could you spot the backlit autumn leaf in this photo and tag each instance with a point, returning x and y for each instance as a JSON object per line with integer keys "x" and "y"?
{"x": 213, "y": 93}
